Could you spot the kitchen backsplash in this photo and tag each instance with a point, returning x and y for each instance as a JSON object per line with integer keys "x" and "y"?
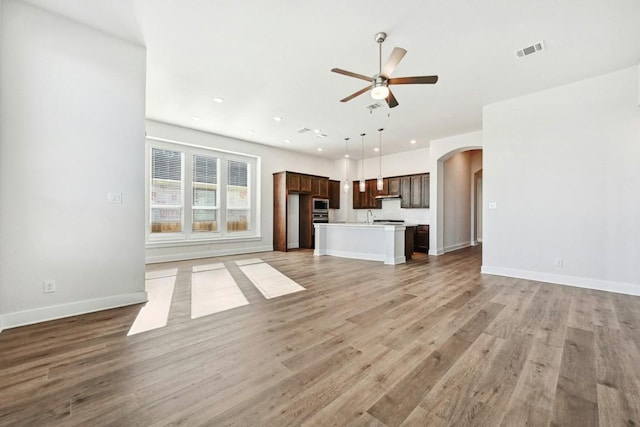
{"x": 391, "y": 210}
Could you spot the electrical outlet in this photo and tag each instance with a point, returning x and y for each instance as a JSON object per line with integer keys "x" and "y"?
{"x": 493, "y": 205}
{"x": 49, "y": 286}
{"x": 558, "y": 262}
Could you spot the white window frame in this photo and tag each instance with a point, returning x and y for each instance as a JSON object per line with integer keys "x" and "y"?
{"x": 187, "y": 236}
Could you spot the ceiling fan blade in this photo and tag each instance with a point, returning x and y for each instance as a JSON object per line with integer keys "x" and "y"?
{"x": 353, "y": 95}
{"x": 395, "y": 57}
{"x": 391, "y": 100}
{"x": 421, "y": 80}
{"x": 350, "y": 74}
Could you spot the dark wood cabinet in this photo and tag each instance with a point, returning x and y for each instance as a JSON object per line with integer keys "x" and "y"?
{"x": 293, "y": 182}
{"x": 385, "y": 187}
{"x": 422, "y": 239}
{"x": 285, "y": 183}
{"x": 357, "y": 198}
{"x": 367, "y": 199}
{"x": 306, "y": 183}
{"x": 409, "y": 241}
{"x": 412, "y": 189}
{"x": 394, "y": 186}
{"x": 405, "y": 192}
{"x": 320, "y": 187}
{"x": 416, "y": 191}
{"x": 425, "y": 191}
{"x": 334, "y": 194}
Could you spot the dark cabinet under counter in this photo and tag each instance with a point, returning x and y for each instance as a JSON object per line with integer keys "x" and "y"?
{"x": 421, "y": 241}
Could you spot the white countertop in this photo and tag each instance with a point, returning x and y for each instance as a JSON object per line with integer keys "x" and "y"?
{"x": 364, "y": 224}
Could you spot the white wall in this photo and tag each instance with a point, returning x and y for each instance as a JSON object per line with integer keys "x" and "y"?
{"x": 563, "y": 167}
{"x": 272, "y": 160}
{"x": 457, "y": 201}
{"x": 405, "y": 163}
{"x": 72, "y": 130}
{"x": 476, "y": 196}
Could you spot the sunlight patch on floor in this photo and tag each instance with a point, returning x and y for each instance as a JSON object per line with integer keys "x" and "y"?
{"x": 155, "y": 313}
{"x": 269, "y": 281}
{"x": 214, "y": 290}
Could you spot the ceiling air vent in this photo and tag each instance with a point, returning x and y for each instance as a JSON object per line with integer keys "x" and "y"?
{"x": 529, "y": 50}
{"x": 303, "y": 130}
{"x": 373, "y": 106}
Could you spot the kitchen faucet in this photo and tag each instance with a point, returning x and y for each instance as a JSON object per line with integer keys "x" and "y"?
{"x": 369, "y": 212}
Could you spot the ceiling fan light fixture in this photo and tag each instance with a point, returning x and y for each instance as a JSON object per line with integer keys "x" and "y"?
{"x": 380, "y": 91}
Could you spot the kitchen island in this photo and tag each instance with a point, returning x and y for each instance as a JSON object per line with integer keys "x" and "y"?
{"x": 375, "y": 242}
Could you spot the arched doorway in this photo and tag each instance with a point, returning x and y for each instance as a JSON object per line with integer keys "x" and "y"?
{"x": 441, "y": 151}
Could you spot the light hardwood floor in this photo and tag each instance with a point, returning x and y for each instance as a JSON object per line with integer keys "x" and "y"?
{"x": 429, "y": 343}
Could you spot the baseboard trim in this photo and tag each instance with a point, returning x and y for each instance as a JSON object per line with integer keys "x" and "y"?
{"x": 181, "y": 256}
{"x": 457, "y": 246}
{"x": 580, "y": 282}
{"x": 44, "y": 314}
{"x": 436, "y": 252}
{"x": 353, "y": 255}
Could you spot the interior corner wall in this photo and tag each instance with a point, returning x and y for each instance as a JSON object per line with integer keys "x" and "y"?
{"x": 457, "y": 201}
{"x": 562, "y": 167}
{"x": 2, "y": 296}
{"x": 72, "y": 131}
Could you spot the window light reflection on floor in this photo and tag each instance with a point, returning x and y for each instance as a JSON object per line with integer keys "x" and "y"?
{"x": 213, "y": 290}
{"x": 159, "y": 286}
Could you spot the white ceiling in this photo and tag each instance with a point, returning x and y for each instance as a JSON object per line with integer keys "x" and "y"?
{"x": 273, "y": 58}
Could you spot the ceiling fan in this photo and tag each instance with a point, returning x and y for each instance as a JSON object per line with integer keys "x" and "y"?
{"x": 380, "y": 82}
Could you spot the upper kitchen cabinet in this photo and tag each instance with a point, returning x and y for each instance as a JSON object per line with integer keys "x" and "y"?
{"x": 394, "y": 186}
{"x": 367, "y": 198}
{"x": 299, "y": 183}
{"x": 405, "y": 192}
{"x": 416, "y": 191}
{"x": 425, "y": 191}
{"x": 306, "y": 184}
{"x": 334, "y": 194}
{"x": 320, "y": 187}
{"x": 293, "y": 182}
{"x": 419, "y": 191}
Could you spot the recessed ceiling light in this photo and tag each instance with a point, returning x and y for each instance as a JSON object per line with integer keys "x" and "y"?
{"x": 346, "y": 156}
{"x": 319, "y": 149}
{"x": 316, "y": 131}
{"x": 195, "y": 118}
{"x": 413, "y": 141}
{"x": 288, "y": 141}
{"x": 251, "y": 131}
{"x": 218, "y": 100}
{"x": 375, "y": 149}
{"x": 277, "y": 118}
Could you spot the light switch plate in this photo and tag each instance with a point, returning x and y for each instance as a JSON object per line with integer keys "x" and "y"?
{"x": 493, "y": 205}
{"x": 114, "y": 197}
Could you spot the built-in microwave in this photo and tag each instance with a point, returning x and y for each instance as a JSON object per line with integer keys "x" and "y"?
{"x": 320, "y": 205}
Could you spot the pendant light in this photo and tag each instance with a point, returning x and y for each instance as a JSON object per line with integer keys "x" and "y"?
{"x": 362, "y": 183}
{"x": 346, "y": 156}
{"x": 379, "y": 182}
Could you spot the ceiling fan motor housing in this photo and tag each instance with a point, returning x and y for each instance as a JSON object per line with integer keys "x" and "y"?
{"x": 380, "y": 37}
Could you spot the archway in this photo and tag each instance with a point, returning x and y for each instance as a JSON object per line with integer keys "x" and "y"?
{"x": 441, "y": 151}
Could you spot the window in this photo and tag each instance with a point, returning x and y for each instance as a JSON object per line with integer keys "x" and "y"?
{"x": 205, "y": 193}
{"x": 166, "y": 191}
{"x": 197, "y": 194}
{"x": 238, "y": 206}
